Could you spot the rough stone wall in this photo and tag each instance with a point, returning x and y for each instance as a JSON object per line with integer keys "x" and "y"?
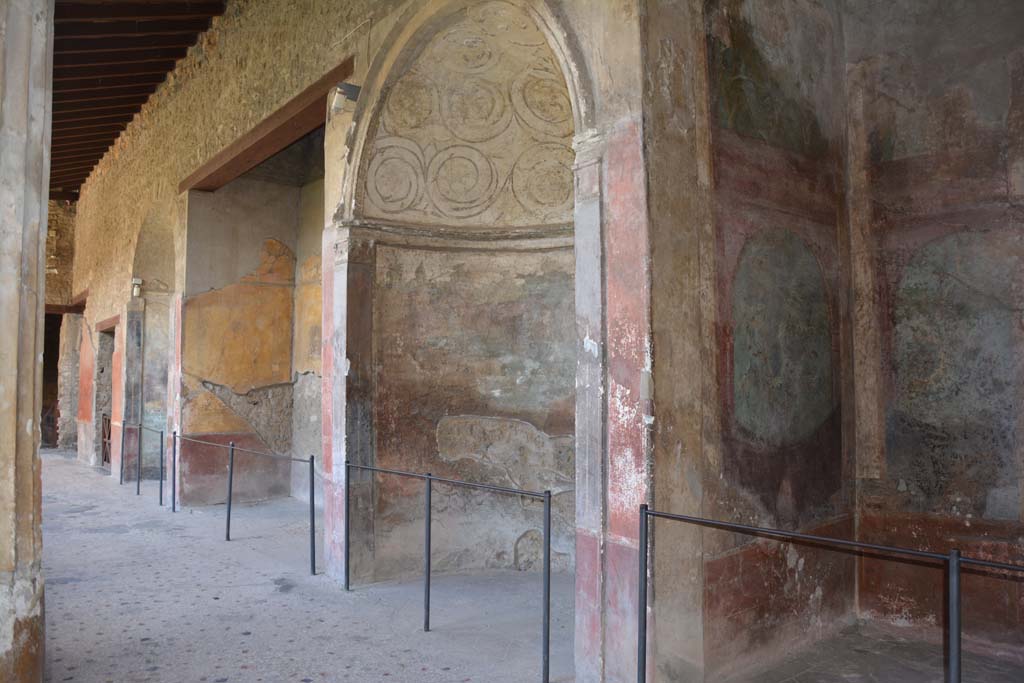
{"x": 938, "y": 182}
{"x": 776, "y": 105}
{"x": 67, "y": 381}
{"x": 60, "y": 251}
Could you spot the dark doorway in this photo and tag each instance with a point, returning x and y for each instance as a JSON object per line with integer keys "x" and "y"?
{"x": 51, "y": 365}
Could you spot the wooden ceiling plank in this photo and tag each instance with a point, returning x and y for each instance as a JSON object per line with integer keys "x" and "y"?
{"x": 65, "y": 126}
{"x": 112, "y": 82}
{"x": 98, "y": 143}
{"x": 76, "y": 11}
{"x": 76, "y": 136}
{"x": 122, "y": 44}
{"x": 126, "y": 111}
{"x": 129, "y": 57}
{"x": 296, "y": 118}
{"x": 79, "y": 101}
{"x": 69, "y": 73}
{"x": 69, "y": 179}
{"x": 69, "y": 170}
{"x": 92, "y": 155}
{"x": 121, "y": 29}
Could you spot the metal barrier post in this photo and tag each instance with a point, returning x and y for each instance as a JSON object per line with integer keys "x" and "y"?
{"x": 312, "y": 519}
{"x": 641, "y": 630}
{"x": 174, "y": 470}
{"x": 348, "y": 511}
{"x": 231, "y": 477}
{"x": 138, "y": 460}
{"x": 426, "y": 559}
{"x": 120, "y": 479}
{"x": 546, "y": 630}
{"x": 162, "y": 468}
{"x": 953, "y": 605}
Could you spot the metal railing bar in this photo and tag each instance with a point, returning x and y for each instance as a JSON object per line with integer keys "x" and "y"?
{"x": 951, "y": 562}
{"x": 992, "y": 565}
{"x": 454, "y": 482}
{"x": 764, "y": 531}
{"x": 239, "y": 449}
{"x": 429, "y": 479}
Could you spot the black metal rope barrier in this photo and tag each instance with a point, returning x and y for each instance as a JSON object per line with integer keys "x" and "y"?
{"x": 429, "y": 479}
{"x": 232, "y": 449}
{"x": 953, "y": 561}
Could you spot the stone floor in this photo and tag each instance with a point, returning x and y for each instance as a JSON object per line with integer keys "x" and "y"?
{"x": 135, "y": 593}
{"x": 868, "y": 654}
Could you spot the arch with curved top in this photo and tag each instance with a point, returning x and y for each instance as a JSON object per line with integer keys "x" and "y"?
{"x": 509, "y": 62}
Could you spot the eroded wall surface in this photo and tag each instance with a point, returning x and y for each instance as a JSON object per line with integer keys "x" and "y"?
{"x": 68, "y": 377}
{"x": 60, "y": 251}
{"x": 940, "y": 149}
{"x": 236, "y": 341}
{"x": 307, "y": 433}
{"x": 472, "y": 343}
{"x": 777, "y": 145}
{"x": 475, "y": 370}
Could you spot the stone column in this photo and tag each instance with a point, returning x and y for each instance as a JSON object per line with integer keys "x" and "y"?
{"x": 131, "y": 409}
{"x": 26, "y": 35}
{"x": 70, "y": 343}
{"x": 347, "y": 356}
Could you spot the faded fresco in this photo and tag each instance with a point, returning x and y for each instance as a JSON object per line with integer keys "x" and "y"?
{"x": 478, "y": 130}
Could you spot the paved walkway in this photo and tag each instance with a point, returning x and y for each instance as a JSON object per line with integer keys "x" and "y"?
{"x": 135, "y": 593}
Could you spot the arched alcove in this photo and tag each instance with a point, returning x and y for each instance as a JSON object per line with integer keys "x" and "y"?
{"x": 462, "y": 201}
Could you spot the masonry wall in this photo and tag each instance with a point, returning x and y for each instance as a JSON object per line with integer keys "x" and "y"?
{"x": 307, "y": 433}
{"x": 472, "y": 292}
{"x": 777, "y": 143}
{"x": 60, "y": 252}
{"x": 67, "y": 381}
{"x": 238, "y": 314}
{"x": 207, "y": 103}
{"x": 940, "y": 163}
{"x": 475, "y": 382}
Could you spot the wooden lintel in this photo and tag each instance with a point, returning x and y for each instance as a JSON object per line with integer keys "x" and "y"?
{"x": 60, "y": 309}
{"x": 108, "y": 324}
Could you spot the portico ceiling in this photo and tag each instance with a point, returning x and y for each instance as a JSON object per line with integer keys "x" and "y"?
{"x": 109, "y": 57}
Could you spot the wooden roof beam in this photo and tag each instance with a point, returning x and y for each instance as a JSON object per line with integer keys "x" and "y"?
{"x": 108, "y": 83}
{"x": 116, "y": 57}
{"x": 70, "y": 73}
{"x": 82, "y": 11}
{"x": 121, "y": 29}
{"x": 62, "y": 46}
